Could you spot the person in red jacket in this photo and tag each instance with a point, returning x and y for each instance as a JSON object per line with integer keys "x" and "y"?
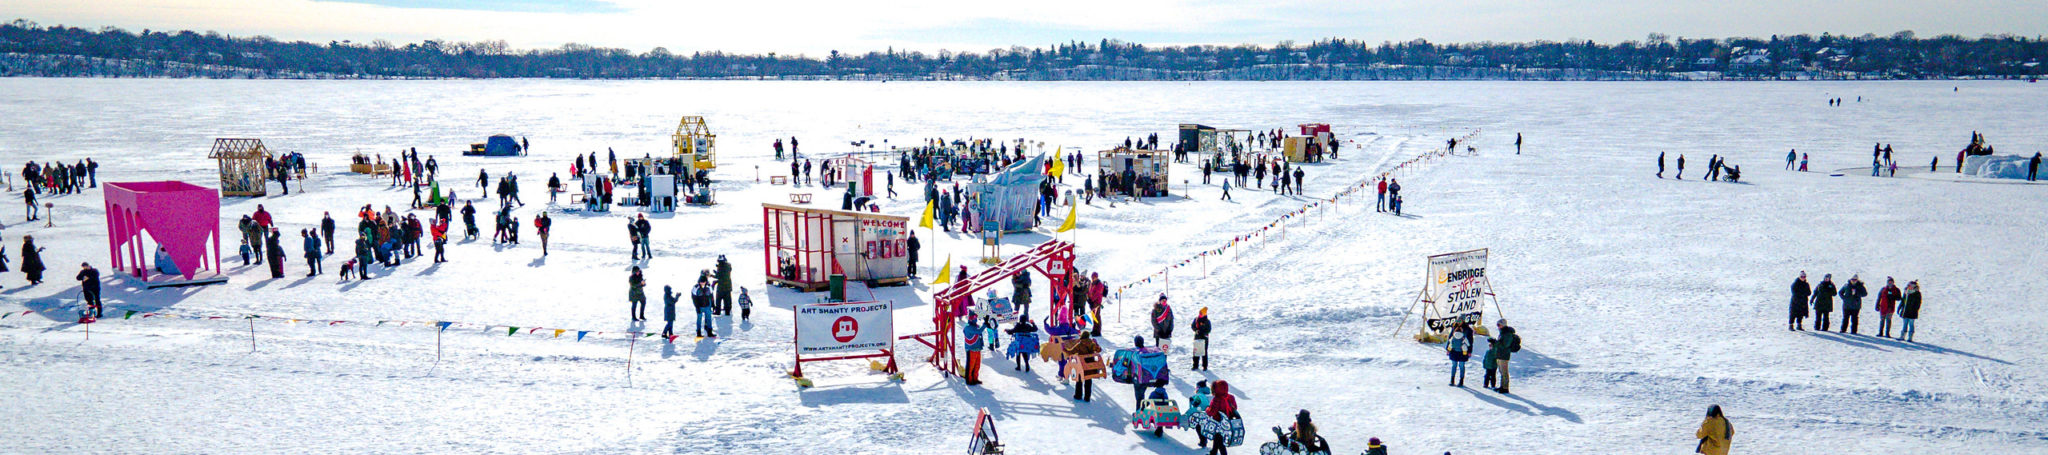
{"x": 1222, "y": 406}
{"x": 1887, "y": 300}
{"x": 1381, "y": 206}
{"x": 262, "y": 217}
{"x": 1096, "y": 292}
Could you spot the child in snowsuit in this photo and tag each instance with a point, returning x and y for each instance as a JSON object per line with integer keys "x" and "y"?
{"x": 1488, "y": 362}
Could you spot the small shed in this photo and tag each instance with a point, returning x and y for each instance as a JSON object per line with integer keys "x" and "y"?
{"x": 1134, "y": 172}
{"x": 243, "y": 166}
{"x": 1197, "y": 138}
{"x": 803, "y": 247}
{"x": 854, "y": 169}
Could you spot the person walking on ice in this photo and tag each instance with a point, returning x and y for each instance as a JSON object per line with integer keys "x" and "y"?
{"x": 1887, "y": 300}
{"x": 89, "y": 289}
{"x": 1660, "y": 165}
{"x": 1715, "y": 434}
{"x": 1801, "y": 294}
{"x": 1381, "y": 205}
{"x": 701, "y": 298}
{"x": 1852, "y": 305}
{"x": 1910, "y": 310}
{"x": 1459, "y": 348}
{"x": 1791, "y": 157}
{"x": 1681, "y": 167}
{"x": 636, "y": 294}
{"x": 1823, "y": 302}
{"x": 972, "y": 335}
{"x": 1201, "y": 346}
{"x": 669, "y": 297}
{"x": 1505, "y": 346}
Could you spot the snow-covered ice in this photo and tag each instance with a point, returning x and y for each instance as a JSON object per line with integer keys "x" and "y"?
{"x": 1641, "y": 300}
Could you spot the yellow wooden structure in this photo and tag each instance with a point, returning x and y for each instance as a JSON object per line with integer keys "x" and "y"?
{"x": 695, "y": 144}
{"x": 242, "y": 165}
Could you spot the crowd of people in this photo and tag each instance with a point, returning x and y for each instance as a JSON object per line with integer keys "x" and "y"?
{"x": 1718, "y": 169}
{"x": 710, "y": 297}
{"x": 1818, "y": 302}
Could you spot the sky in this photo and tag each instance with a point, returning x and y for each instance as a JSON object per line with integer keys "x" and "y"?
{"x": 814, "y": 28}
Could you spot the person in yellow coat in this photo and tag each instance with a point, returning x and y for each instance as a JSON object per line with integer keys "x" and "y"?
{"x": 1715, "y": 432}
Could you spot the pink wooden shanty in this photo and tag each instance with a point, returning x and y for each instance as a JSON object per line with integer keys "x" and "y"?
{"x": 180, "y": 217}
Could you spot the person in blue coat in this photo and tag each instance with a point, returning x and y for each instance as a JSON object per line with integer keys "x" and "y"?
{"x": 971, "y": 334}
{"x": 669, "y": 297}
{"x": 312, "y": 245}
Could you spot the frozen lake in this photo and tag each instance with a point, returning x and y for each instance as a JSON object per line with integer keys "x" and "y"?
{"x": 1641, "y": 300}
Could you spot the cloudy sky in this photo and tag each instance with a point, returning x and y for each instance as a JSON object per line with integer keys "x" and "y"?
{"x": 816, "y": 27}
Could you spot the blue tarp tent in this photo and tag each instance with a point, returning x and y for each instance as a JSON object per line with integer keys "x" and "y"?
{"x": 1009, "y": 199}
{"x": 498, "y": 145}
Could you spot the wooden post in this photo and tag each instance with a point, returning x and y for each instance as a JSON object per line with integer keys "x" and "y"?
{"x": 252, "y": 334}
{"x": 629, "y": 357}
{"x": 437, "y": 346}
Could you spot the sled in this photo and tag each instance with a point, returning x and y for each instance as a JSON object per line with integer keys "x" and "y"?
{"x": 1232, "y": 430}
{"x": 1156, "y": 415}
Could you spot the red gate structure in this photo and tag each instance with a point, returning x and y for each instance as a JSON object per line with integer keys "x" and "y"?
{"x": 1054, "y": 259}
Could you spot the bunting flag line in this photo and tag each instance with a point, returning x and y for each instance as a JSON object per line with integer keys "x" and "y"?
{"x": 130, "y": 315}
{"x": 1238, "y": 241}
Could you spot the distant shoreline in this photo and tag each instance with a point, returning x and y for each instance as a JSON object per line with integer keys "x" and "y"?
{"x": 77, "y": 66}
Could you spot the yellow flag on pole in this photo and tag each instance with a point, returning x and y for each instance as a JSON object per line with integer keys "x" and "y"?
{"x": 926, "y": 220}
{"x": 1059, "y": 166}
{"x": 945, "y": 272}
{"x": 1069, "y": 225}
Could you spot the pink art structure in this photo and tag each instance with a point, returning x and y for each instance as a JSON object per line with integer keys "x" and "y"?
{"x": 180, "y": 217}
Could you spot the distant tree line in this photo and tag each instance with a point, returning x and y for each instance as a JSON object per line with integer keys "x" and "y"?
{"x": 30, "y": 49}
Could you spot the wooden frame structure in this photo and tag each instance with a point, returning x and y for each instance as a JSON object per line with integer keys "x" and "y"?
{"x": 243, "y": 166}
{"x": 1425, "y": 299}
{"x": 695, "y": 144}
{"x": 1144, "y": 163}
{"x": 803, "y": 247}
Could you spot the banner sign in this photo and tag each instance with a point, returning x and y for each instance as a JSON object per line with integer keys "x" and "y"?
{"x": 1457, "y": 282}
{"x": 841, "y": 327}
